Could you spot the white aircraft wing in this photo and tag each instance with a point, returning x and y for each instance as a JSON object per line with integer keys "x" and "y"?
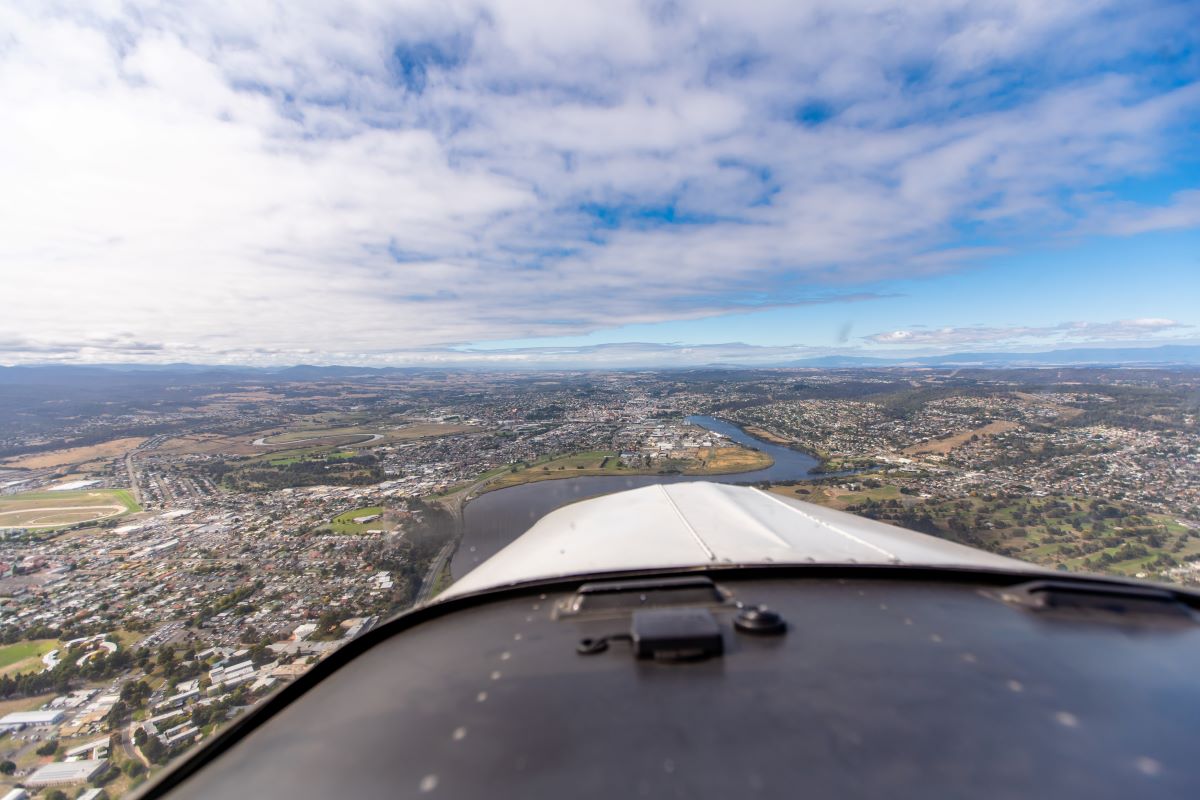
{"x": 693, "y": 524}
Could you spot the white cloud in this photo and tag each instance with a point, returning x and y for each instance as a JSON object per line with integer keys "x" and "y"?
{"x": 374, "y": 176}
{"x": 1144, "y": 329}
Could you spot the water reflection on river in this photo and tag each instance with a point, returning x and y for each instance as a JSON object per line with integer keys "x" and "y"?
{"x": 494, "y": 519}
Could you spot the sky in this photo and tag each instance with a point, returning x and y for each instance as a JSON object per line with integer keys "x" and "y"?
{"x": 610, "y": 183}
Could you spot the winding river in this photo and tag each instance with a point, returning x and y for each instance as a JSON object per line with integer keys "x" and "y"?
{"x": 494, "y": 519}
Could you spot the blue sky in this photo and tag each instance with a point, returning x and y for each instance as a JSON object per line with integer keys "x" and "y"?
{"x": 627, "y": 182}
{"x": 1086, "y": 280}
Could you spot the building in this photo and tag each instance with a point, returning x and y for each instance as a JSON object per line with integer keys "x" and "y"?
{"x": 16, "y": 794}
{"x": 180, "y": 699}
{"x": 19, "y": 719}
{"x": 303, "y": 631}
{"x": 62, "y": 773}
{"x": 89, "y": 749}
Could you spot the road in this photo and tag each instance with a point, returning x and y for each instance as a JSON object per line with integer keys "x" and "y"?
{"x": 133, "y": 484}
{"x": 132, "y": 752}
{"x": 454, "y": 504}
{"x": 435, "y": 569}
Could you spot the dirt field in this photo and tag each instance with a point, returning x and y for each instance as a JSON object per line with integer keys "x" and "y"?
{"x": 208, "y": 443}
{"x": 424, "y": 429}
{"x": 75, "y": 455}
{"x": 718, "y": 460}
{"x": 943, "y": 446}
{"x": 765, "y": 435}
{"x": 312, "y": 435}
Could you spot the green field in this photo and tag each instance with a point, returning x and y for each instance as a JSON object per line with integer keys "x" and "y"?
{"x": 57, "y": 509}
{"x": 343, "y": 523}
{"x": 19, "y": 651}
{"x": 24, "y": 656}
{"x": 1075, "y": 533}
{"x": 711, "y": 461}
{"x": 591, "y": 462}
{"x": 311, "y": 454}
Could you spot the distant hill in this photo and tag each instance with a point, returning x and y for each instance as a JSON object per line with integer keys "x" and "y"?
{"x": 205, "y": 374}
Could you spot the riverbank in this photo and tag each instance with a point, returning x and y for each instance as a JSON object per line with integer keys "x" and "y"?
{"x": 712, "y": 461}
{"x": 825, "y": 463}
{"x": 492, "y": 519}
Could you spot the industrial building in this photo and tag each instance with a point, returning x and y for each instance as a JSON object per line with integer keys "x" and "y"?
{"x": 95, "y": 749}
{"x": 61, "y": 773}
{"x": 20, "y": 719}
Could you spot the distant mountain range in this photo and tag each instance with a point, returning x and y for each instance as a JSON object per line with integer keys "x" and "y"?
{"x": 197, "y": 374}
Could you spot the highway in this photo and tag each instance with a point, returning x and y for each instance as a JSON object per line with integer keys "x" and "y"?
{"x": 454, "y": 504}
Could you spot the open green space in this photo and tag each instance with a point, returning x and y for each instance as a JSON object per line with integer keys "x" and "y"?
{"x": 711, "y": 461}
{"x": 289, "y": 457}
{"x": 344, "y": 522}
{"x": 1074, "y": 533}
{"x": 17, "y": 652}
{"x": 58, "y": 509}
{"x": 301, "y": 466}
{"x": 591, "y": 462}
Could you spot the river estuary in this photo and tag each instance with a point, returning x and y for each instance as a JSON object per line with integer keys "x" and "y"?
{"x": 494, "y": 519}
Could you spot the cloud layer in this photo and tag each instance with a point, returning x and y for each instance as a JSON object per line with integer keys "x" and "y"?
{"x": 206, "y": 180}
{"x": 1065, "y": 333}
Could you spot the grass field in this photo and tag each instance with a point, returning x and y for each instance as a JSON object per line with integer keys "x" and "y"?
{"x": 591, "y": 462}
{"x": 25, "y": 703}
{"x": 344, "y": 523}
{"x": 711, "y": 461}
{"x": 24, "y": 656}
{"x": 56, "y": 509}
{"x": 836, "y": 496}
{"x": 1053, "y": 530}
{"x": 289, "y": 457}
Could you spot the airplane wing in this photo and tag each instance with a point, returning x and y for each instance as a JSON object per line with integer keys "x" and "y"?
{"x": 709, "y": 641}
{"x": 698, "y": 524}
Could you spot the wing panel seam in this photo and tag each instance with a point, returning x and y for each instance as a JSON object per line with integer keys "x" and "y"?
{"x": 695, "y": 535}
{"x": 828, "y": 526}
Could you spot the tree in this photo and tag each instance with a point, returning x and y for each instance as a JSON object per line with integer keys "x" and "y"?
{"x": 260, "y": 654}
{"x": 7, "y": 767}
{"x": 55, "y": 794}
{"x": 115, "y": 715}
{"x": 154, "y": 749}
{"x": 134, "y": 768}
{"x": 49, "y": 748}
{"x": 135, "y": 693}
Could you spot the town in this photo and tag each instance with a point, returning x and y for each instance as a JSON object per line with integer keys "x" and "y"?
{"x": 175, "y": 553}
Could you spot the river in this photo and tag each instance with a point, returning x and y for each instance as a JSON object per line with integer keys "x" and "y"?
{"x": 494, "y": 519}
